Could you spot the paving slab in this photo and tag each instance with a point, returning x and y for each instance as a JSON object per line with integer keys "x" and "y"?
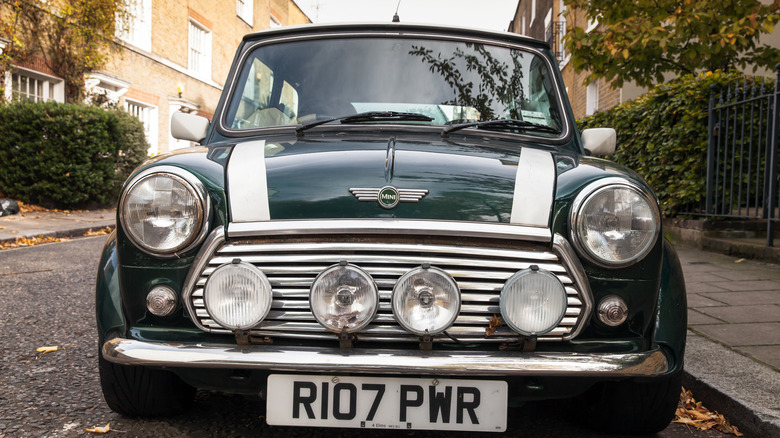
{"x": 735, "y": 335}
{"x": 695, "y": 317}
{"x": 744, "y": 298}
{"x": 744, "y": 314}
{"x": 769, "y": 354}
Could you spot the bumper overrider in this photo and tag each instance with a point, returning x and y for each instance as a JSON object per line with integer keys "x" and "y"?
{"x": 122, "y": 351}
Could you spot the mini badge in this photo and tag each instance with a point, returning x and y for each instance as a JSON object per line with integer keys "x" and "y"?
{"x": 388, "y": 197}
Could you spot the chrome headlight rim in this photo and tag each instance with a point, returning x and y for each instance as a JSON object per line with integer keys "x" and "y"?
{"x": 265, "y": 283}
{"x": 369, "y": 280}
{"x": 456, "y": 311}
{"x": 594, "y": 189}
{"x": 194, "y": 185}
{"x": 503, "y": 301}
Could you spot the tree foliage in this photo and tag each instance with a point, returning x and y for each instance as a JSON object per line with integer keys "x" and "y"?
{"x": 662, "y": 135}
{"x": 73, "y": 37}
{"x": 641, "y": 40}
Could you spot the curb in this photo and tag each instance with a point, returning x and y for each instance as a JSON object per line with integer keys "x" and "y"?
{"x": 75, "y": 232}
{"x": 744, "y": 391}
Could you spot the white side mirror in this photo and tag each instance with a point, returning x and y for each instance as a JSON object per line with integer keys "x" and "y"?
{"x": 185, "y": 126}
{"x": 599, "y": 141}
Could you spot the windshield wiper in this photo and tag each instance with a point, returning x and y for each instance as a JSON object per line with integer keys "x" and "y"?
{"x": 502, "y": 124}
{"x": 370, "y": 116}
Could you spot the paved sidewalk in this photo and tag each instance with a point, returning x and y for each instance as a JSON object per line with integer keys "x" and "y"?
{"x": 54, "y": 224}
{"x": 733, "y": 351}
{"x": 732, "y": 358}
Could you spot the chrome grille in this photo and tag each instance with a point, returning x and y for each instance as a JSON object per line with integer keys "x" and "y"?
{"x": 480, "y": 271}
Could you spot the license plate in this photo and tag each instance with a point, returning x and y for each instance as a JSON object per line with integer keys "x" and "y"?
{"x": 386, "y": 403}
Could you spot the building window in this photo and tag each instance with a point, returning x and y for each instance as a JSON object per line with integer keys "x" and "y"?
{"x": 245, "y": 9}
{"x": 200, "y": 50}
{"x": 35, "y": 87}
{"x": 147, "y": 114}
{"x": 592, "y": 102}
{"x": 274, "y": 22}
{"x": 138, "y": 28}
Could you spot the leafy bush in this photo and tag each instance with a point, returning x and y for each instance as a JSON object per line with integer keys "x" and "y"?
{"x": 66, "y": 155}
{"x": 663, "y": 136}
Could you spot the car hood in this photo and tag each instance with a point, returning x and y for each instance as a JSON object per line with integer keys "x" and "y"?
{"x": 318, "y": 179}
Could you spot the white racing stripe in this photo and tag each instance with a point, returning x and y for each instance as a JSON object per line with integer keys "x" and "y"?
{"x": 534, "y": 186}
{"x": 247, "y": 184}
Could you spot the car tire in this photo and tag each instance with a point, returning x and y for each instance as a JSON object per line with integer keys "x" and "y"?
{"x": 630, "y": 407}
{"x": 137, "y": 391}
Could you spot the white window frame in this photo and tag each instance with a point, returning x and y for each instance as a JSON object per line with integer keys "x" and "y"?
{"x": 148, "y": 115}
{"x": 533, "y": 10}
{"x": 592, "y": 99}
{"x": 561, "y": 44}
{"x": 199, "y": 49}
{"x": 52, "y": 88}
{"x": 523, "y": 27}
{"x": 592, "y": 24}
{"x": 245, "y": 10}
{"x": 273, "y": 21}
{"x": 139, "y": 30}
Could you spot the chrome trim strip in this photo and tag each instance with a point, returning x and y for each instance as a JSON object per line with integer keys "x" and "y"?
{"x": 569, "y": 259}
{"x": 534, "y": 188}
{"x": 247, "y": 185}
{"x": 334, "y": 360}
{"x": 213, "y": 241}
{"x": 390, "y": 226}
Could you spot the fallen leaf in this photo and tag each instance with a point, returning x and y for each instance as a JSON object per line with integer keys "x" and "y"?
{"x": 739, "y": 261}
{"x": 98, "y": 429}
{"x": 47, "y": 349}
{"x": 100, "y": 232}
{"x": 494, "y": 324}
{"x": 692, "y": 413}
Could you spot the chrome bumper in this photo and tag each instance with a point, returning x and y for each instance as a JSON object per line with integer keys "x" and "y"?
{"x": 333, "y": 360}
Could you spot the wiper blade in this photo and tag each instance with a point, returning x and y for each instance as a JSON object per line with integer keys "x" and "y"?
{"x": 502, "y": 124}
{"x": 370, "y": 116}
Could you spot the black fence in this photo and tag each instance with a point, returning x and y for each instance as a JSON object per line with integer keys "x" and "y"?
{"x": 742, "y": 156}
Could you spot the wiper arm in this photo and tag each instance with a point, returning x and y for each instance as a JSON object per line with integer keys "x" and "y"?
{"x": 370, "y": 116}
{"x": 502, "y": 124}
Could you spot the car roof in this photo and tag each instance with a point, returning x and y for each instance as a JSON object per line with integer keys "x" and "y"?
{"x": 393, "y": 28}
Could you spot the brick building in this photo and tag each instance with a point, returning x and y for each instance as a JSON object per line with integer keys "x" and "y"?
{"x": 174, "y": 56}
{"x": 546, "y": 20}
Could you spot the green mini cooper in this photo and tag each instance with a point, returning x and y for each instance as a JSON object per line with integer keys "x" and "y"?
{"x": 392, "y": 226}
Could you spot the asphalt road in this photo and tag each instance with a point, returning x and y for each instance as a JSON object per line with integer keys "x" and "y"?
{"x": 47, "y": 299}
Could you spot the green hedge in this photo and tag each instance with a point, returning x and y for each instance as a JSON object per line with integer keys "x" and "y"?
{"x": 663, "y": 136}
{"x": 66, "y": 155}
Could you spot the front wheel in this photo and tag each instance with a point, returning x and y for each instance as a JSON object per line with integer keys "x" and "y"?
{"x": 137, "y": 391}
{"x": 632, "y": 407}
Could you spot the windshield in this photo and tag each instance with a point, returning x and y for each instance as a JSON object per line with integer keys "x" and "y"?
{"x": 450, "y": 82}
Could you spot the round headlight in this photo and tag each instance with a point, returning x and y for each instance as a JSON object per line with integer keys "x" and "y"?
{"x": 163, "y": 212}
{"x": 614, "y": 223}
{"x": 237, "y": 295}
{"x": 426, "y": 300}
{"x": 533, "y": 302}
{"x": 344, "y": 298}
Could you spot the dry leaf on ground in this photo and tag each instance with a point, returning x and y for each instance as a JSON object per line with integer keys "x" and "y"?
{"x": 99, "y": 429}
{"x": 47, "y": 349}
{"x": 100, "y": 232}
{"x": 30, "y": 241}
{"x": 692, "y": 413}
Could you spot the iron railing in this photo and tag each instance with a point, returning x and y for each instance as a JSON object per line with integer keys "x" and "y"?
{"x": 742, "y": 154}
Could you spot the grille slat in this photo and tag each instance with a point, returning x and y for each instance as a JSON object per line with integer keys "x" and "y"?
{"x": 480, "y": 272}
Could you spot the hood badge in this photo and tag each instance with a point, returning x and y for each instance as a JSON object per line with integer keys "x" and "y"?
{"x": 388, "y": 197}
